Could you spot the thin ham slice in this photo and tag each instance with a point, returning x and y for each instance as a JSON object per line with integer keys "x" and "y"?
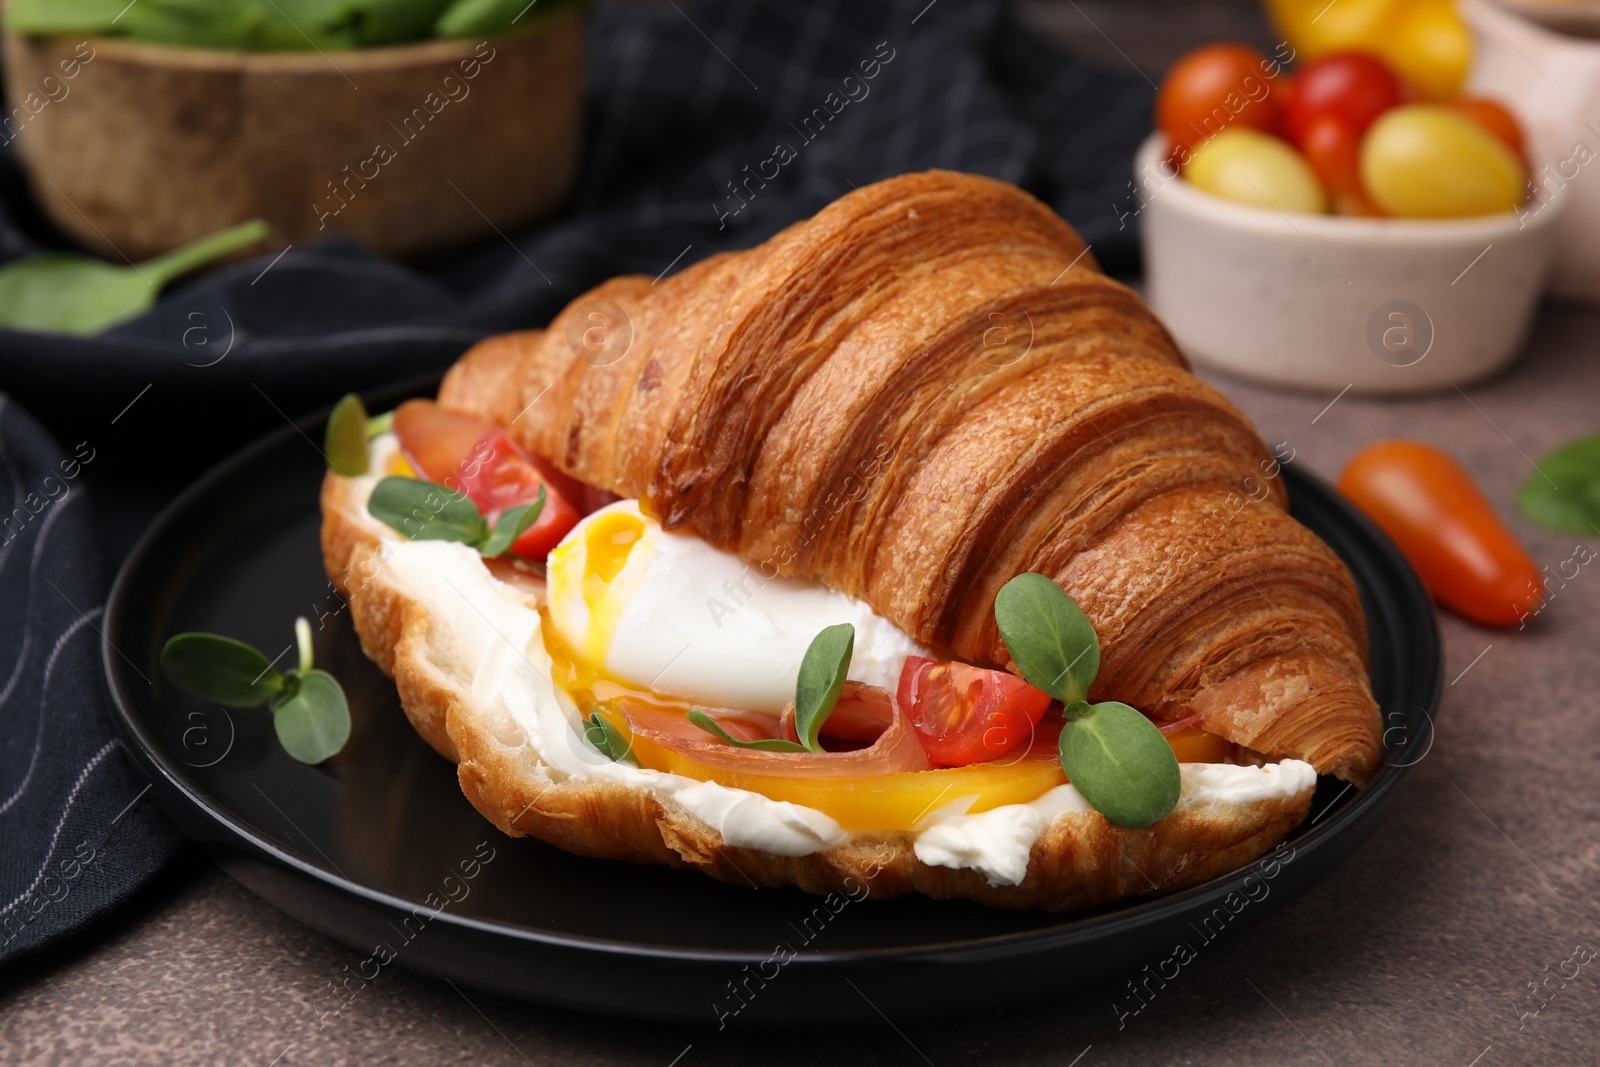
{"x": 866, "y": 713}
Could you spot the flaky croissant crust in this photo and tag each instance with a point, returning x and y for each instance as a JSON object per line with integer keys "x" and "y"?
{"x": 926, "y": 389}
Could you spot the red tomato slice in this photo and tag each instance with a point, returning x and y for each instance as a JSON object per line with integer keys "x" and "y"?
{"x": 966, "y": 714}
{"x": 477, "y": 458}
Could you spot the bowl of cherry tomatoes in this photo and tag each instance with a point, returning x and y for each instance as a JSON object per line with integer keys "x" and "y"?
{"x": 1329, "y": 226}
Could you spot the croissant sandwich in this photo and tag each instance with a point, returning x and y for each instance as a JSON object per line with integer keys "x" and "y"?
{"x": 902, "y": 550}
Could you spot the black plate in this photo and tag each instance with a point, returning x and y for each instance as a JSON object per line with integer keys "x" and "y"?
{"x": 367, "y": 846}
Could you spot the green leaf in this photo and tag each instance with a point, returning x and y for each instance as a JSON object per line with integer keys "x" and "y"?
{"x": 379, "y": 425}
{"x": 380, "y": 22}
{"x": 427, "y": 512}
{"x": 221, "y": 669}
{"x": 1120, "y": 762}
{"x": 175, "y": 264}
{"x": 251, "y": 25}
{"x": 822, "y": 674}
{"x": 55, "y": 17}
{"x": 491, "y": 18}
{"x": 607, "y": 739}
{"x": 344, "y": 445}
{"x": 1564, "y": 493}
{"x": 65, "y": 293}
{"x": 1049, "y": 636}
{"x": 514, "y": 522}
{"x": 709, "y": 725}
{"x": 313, "y": 723}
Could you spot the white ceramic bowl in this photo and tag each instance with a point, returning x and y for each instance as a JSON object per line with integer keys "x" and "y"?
{"x": 1321, "y": 302}
{"x": 1552, "y": 81}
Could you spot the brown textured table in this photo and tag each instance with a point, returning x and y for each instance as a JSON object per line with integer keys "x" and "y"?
{"x": 1419, "y": 950}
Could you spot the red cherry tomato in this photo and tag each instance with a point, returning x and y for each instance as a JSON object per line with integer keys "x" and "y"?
{"x": 1495, "y": 117}
{"x": 1438, "y": 516}
{"x": 1353, "y": 87}
{"x": 1334, "y": 151}
{"x": 1212, "y": 88}
{"x": 966, "y": 714}
{"x": 475, "y": 457}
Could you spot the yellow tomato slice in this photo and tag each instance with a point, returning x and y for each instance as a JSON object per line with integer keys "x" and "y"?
{"x": 1194, "y": 745}
{"x": 896, "y": 801}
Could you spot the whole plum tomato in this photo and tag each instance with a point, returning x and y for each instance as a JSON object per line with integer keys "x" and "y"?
{"x": 1211, "y": 89}
{"x": 1353, "y": 87}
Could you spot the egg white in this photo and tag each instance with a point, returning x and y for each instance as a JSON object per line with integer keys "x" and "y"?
{"x": 688, "y": 620}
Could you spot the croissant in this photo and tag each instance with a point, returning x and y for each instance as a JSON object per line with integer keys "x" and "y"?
{"x": 926, "y": 389}
{"x": 921, "y": 392}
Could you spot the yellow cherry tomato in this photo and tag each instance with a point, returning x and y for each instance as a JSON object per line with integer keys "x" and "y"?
{"x": 1427, "y": 161}
{"x": 1431, "y": 46}
{"x": 1258, "y": 169}
{"x": 1427, "y": 42}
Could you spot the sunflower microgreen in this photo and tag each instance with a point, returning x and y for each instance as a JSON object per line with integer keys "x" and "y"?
{"x": 309, "y": 712}
{"x": 771, "y": 744}
{"x": 607, "y": 739}
{"x": 1115, "y": 756}
{"x": 424, "y": 511}
{"x": 820, "y": 682}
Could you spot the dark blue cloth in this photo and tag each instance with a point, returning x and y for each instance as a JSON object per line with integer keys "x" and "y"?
{"x": 79, "y": 829}
{"x": 685, "y": 103}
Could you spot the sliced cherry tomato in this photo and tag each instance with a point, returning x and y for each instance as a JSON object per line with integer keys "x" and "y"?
{"x": 476, "y": 457}
{"x": 1495, "y": 117}
{"x": 1352, "y": 87}
{"x": 1441, "y": 521}
{"x": 1212, "y": 88}
{"x": 966, "y": 714}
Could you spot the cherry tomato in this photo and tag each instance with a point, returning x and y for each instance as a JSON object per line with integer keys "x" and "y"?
{"x": 1431, "y": 45}
{"x": 1333, "y": 149}
{"x": 1427, "y": 161}
{"x": 1495, "y": 117}
{"x": 966, "y": 714}
{"x": 1426, "y": 42}
{"x": 1441, "y": 521}
{"x": 1353, "y": 87}
{"x": 477, "y": 458}
{"x": 1211, "y": 89}
{"x": 1255, "y": 168}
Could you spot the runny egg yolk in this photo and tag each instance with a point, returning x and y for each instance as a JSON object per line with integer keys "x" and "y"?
{"x": 607, "y": 542}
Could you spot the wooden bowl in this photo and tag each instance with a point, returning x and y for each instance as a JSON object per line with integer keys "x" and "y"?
{"x": 135, "y": 148}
